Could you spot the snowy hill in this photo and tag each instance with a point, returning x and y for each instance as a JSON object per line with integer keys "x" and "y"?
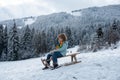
{"x": 102, "y": 65}
{"x": 84, "y": 17}
{"x": 99, "y": 14}
{"x": 20, "y": 22}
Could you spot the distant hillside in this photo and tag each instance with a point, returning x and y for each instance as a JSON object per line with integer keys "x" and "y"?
{"x": 87, "y": 16}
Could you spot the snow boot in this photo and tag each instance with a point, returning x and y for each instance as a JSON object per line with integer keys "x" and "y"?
{"x": 45, "y": 68}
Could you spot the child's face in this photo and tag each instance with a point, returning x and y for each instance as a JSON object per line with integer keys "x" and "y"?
{"x": 60, "y": 39}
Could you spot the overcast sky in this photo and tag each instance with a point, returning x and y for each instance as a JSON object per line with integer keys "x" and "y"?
{"x": 22, "y": 8}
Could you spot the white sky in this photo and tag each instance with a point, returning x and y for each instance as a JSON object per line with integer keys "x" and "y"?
{"x": 21, "y": 8}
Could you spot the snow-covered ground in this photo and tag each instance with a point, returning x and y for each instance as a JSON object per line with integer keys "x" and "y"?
{"x": 102, "y": 65}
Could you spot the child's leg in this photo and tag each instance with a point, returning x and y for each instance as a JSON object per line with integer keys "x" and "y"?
{"x": 55, "y": 56}
{"x": 48, "y": 58}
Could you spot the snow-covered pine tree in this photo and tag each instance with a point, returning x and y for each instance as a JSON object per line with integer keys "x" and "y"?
{"x": 53, "y": 37}
{"x": 113, "y": 34}
{"x": 100, "y": 38}
{"x": 37, "y": 43}
{"x": 43, "y": 42}
{"x": 14, "y": 43}
{"x": 1, "y": 40}
{"x": 69, "y": 36}
{"x": 75, "y": 37}
{"x": 26, "y": 43}
{"x": 33, "y": 39}
{"x": 5, "y": 38}
{"x": 26, "y": 39}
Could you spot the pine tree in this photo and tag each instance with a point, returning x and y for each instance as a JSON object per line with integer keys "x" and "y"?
{"x": 5, "y": 43}
{"x": 43, "y": 42}
{"x": 69, "y": 36}
{"x": 14, "y": 44}
{"x": 51, "y": 39}
{"x": 33, "y": 39}
{"x": 27, "y": 39}
{"x": 98, "y": 40}
{"x": 27, "y": 43}
{"x": 1, "y": 40}
{"x": 38, "y": 43}
{"x": 113, "y": 34}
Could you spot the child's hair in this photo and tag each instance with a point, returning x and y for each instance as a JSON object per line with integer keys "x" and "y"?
{"x": 63, "y": 36}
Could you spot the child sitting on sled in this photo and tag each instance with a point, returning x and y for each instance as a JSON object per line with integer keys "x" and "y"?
{"x": 60, "y": 51}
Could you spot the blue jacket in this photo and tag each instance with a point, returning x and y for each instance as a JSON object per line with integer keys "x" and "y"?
{"x": 63, "y": 49}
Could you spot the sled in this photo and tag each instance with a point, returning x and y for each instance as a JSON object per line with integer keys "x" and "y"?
{"x": 73, "y": 60}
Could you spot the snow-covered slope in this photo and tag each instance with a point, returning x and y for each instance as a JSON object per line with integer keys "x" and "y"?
{"x": 29, "y": 20}
{"x": 99, "y": 14}
{"x": 102, "y": 65}
{"x": 87, "y": 16}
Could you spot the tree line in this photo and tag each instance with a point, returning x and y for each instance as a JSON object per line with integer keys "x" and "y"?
{"x": 18, "y": 44}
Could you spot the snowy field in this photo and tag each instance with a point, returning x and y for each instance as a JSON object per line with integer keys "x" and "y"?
{"x": 102, "y": 65}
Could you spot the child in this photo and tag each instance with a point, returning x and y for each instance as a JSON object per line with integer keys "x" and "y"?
{"x": 60, "y": 51}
